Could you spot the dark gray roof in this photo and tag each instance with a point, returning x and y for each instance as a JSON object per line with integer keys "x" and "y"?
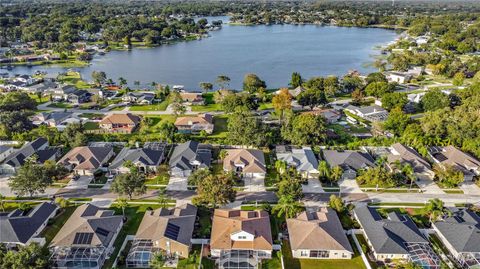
{"x": 355, "y": 160}
{"x": 461, "y": 230}
{"x": 17, "y": 158}
{"x": 146, "y": 156}
{"x": 390, "y": 235}
{"x": 4, "y": 148}
{"x": 190, "y": 151}
{"x": 17, "y": 227}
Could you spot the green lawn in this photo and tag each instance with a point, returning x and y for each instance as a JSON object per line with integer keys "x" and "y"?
{"x": 292, "y": 263}
{"x": 221, "y": 126}
{"x": 207, "y": 108}
{"x": 52, "y": 228}
{"x": 154, "y": 122}
{"x": 264, "y": 106}
{"x": 88, "y": 126}
{"x": 162, "y": 106}
{"x": 60, "y": 105}
{"x": 91, "y": 115}
{"x": 161, "y": 178}
{"x": 74, "y": 78}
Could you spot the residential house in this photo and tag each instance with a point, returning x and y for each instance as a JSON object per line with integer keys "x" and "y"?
{"x": 452, "y": 156}
{"x": 245, "y": 162}
{"x": 302, "y": 159}
{"x": 350, "y": 161}
{"x": 22, "y": 227}
{"x": 195, "y": 124}
{"x": 330, "y": 115}
{"x": 121, "y": 123}
{"x": 86, "y": 239}
{"x": 60, "y": 120}
{"x": 61, "y": 93}
{"x": 295, "y": 92}
{"x": 43, "y": 87}
{"x": 372, "y": 113}
{"x": 146, "y": 159}
{"x": 395, "y": 238}
{"x": 5, "y": 151}
{"x": 141, "y": 98}
{"x": 163, "y": 229}
{"x": 402, "y": 154}
{"x": 399, "y": 77}
{"x": 240, "y": 238}
{"x": 188, "y": 157}
{"x": 460, "y": 234}
{"x": 86, "y": 160}
{"x": 318, "y": 235}
{"x": 38, "y": 148}
{"x": 192, "y": 98}
{"x": 78, "y": 97}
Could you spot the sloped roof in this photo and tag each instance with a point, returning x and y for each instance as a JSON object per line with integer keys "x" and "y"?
{"x": 406, "y": 154}
{"x": 253, "y": 160}
{"x": 122, "y": 118}
{"x": 230, "y": 221}
{"x": 352, "y": 159}
{"x": 190, "y": 151}
{"x": 145, "y": 156}
{"x": 303, "y": 159}
{"x": 452, "y": 156}
{"x": 317, "y": 230}
{"x": 88, "y": 219}
{"x": 18, "y": 157}
{"x": 87, "y": 157}
{"x": 388, "y": 236}
{"x": 190, "y": 120}
{"x": 461, "y": 230}
{"x": 155, "y": 222}
{"x": 16, "y": 227}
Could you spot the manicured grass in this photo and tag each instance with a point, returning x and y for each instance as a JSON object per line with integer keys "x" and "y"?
{"x": 221, "y": 126}
{"x": 154, "y": 123}
{"x": 52, "y": 229}
{"x": 292, "y": 263}
{"x": 207, "y": 108}
{"x": 60, "y": 105}
{"x": 162, "y": 106}
{"x": 453, "y": 191}
{"x": 74, "y": 78}
{"x": 161, "y": 178}
{"x": 88, "y": 126}
{"x": 90, "y": 115}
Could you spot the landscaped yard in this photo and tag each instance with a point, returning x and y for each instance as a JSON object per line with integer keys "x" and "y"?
{"x": 57, "y": 223}
{"x": 161, "y": 178}
{"x": 162, "y": 106}
{"x": 221, "y": 126}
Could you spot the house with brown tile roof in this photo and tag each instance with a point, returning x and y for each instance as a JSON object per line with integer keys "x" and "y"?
{"x": 163, "y": 229}
{"x": 120, "y": 123}
{"x": 195, "y": 124}
{"x": 407, "y": 155}
{"x": 318, "y": 235}
{"x": 246, "y": 162}
{"x": 86, "y": 160}
{"x": 240, "y": 237}
{"x": 86, "y": 238}
{"x": 459, "y": 160}
{"x": 192, "y": 98}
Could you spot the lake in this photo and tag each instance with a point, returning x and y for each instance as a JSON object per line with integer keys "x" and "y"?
{"x": 272, "y": 52}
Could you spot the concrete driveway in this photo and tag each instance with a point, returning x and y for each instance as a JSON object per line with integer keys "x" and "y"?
{"x": 81, "y": 183}
{"x": 254, "y": 184}
{"x": 470, "y": 188}
{"x": 349, "y": 186}
{"x": 177, "y": 184}
{"x": 312, "y": 186}
{"x": 428, "y": 186}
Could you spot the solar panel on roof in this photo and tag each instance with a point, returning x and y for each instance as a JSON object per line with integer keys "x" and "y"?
{"x": 102, "y": 231}
{"x": 83, "y": 238}
{"x": 459, "y": 219}
{"x": 172, "y": 231}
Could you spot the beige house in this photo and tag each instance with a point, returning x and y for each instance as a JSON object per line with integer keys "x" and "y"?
{"x": 459, "y": 160}
{"x": 240, "y": 237}
{"x": 318, "y": 235}
{"x": 121, "y": 123}
{"x": 246, "y": 162}
{"x": 195, "y": 124}
{"x": 407, "y": 155}
{"x": 166, "y": 230}
{"x": 192, "y": 98}
{"x": 86, "y": 160}
{"x": 86, "y": 240}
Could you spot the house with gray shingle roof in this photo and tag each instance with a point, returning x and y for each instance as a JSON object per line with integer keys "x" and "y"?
{"x": 460, "y": 233}
{"x": 302, "y": 159}
{"x": 188, "y": 157}
{"x": 86, "y": 160}
{"x": 5, "y": 151}
{"x": 407, "y": 155}
{"x": 22, "y": 227}
{"x": 86, "y": 238}
{"x": 350, "y": 161}
{"x": 146, "y": 159}
{"x": 459, "y": 160}
{"x": 395, "y": 237}
{"x": 39, "y": 148}
{"x": 60, "y": 120}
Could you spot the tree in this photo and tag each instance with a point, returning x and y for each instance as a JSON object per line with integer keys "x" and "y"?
{"x": 215, "y": 190}
{"x": 166, "y": 131}
{"x": 458, "y": 79}
{"x": 130, "y": 183}
{"x": 312, "y": 98}
{"x": 122, "y": 203}
{"x": 324, "y": 169}
{"x": 30, "y": 179}
{"x": 16, "y": 101}
{"x": 435, "y": 99}
{"x": 331, "y": 85}
{"x": 336, "y": 173}
{"x": 197, "y": 176}
{"x": 448, "y": 175}
{"x": 222, "y": 81}
{"x": 351, "y": 83}
{"x": 158, "y": 261}
{"x": 288, "y": 207}
{"x": 357, "y": 96}
{"x": 296, "y": 80}
{"x": 162, "y": 198}
{"x": 397, "y": 121}
{"x": 378, "y": 89}
{"x": 435, "y": 209}
{"x": 290, "y": 186}
{"x": 281, "y": 166}
{"x": 31, "y": 256}
{"x": 394, "y": 99}
{"x": 99, "y": 77}
{"x": 206, "y": 86}
{"x": 282, "y": 101}
{"x": 376, "y": 77}
{"x": 122, "y": 82}
{"x": 251, "y": 83}
{"x": 70, "y": 132}
{"x": 336, "y": 203}
{"x": 304, "y": 129}
{"x": 245, "y": 129}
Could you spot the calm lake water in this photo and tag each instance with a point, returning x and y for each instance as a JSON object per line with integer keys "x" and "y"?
{"x": 272, "y": 52}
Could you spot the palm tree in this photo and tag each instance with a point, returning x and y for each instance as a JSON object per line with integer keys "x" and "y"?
{"x": 122, "y": 203}
{"x": 206, "y": 86}
{"x": 435, "y": 209}
{"x": 409, "y": 173}
{"x": 336, "y": 174}
{"x": 122, "y": 82}
{"x": 222, "y": 81}
{"x": 287, "y": 207}
{"x": 281, "y": 166}
{"x": 324, "y": 169}
{"x": 162, "y": 199}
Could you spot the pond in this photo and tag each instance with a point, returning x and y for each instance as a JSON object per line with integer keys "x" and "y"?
{"x": 272, "y": 52}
